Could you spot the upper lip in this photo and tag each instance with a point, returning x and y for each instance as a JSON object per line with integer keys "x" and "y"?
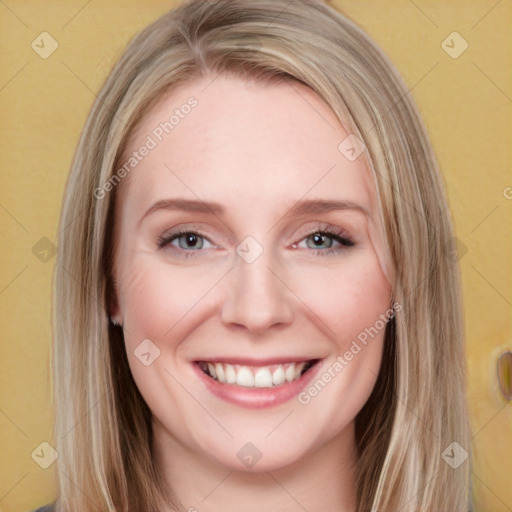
{"x": 246, "y": 361}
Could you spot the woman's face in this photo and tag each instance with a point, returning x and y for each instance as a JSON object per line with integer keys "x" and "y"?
{"x": 248, "y": 247}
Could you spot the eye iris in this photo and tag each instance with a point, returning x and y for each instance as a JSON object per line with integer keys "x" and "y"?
{"x": 319, "y": 239}
{"x": 191, "y": 241}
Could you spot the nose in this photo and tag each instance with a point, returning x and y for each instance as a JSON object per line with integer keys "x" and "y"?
{"x": 258, "y": 296}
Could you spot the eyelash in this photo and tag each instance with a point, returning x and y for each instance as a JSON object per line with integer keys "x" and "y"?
{"x": 336, "y": 234}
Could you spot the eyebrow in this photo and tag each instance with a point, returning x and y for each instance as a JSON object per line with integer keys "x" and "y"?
{"x": 324, "y": 206}
{"x": 187, "y": 205}
{"x": 304, "y": 207}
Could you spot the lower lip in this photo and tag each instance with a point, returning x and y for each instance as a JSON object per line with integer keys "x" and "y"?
{"x": 257, "y": 398}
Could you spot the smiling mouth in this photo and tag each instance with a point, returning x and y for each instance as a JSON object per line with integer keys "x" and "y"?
{"x": 271, "y": 376}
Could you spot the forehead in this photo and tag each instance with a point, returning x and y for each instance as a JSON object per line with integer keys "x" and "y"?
{"x": 244, "y": 144}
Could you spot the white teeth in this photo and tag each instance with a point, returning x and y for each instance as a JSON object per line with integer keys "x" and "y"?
{"x": 290, "y": 372}
{"x": 259, "y": 377}
{"x": 219, "y": 370}
{"x": 278, "y": 377}
{"x": 263, "y": 378}
{"x": 212, "y": 371}
{"x": 230, "y": 374}
{"x": 245, "y": 377}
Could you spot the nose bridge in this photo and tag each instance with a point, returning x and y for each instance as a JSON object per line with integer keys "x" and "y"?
{"x": 257, "y": 297}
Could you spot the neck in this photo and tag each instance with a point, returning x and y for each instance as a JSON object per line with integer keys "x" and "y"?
{"x": 322, "y": 481}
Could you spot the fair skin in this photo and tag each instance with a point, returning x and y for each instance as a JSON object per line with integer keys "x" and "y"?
{"x": 257, "y": 150}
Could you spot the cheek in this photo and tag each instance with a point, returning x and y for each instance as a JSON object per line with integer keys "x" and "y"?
{"x": 350, "y": 301}
{"x": 347, "y": 297}
{"x": 156, "y": 296}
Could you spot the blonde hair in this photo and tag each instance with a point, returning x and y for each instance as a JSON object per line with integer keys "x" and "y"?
{"x": 417, "y": 408}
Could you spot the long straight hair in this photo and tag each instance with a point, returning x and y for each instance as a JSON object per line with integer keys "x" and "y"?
{"x": 417, "y": 408}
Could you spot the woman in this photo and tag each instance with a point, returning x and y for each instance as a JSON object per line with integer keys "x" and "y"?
{"x": 255, "y": 303}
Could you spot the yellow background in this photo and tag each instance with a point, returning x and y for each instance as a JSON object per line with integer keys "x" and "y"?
{"x": 466, "y": 103}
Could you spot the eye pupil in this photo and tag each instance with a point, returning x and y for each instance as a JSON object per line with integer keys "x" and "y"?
{"x": 319, "y": 239}
{"x": 190, "y": 241}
